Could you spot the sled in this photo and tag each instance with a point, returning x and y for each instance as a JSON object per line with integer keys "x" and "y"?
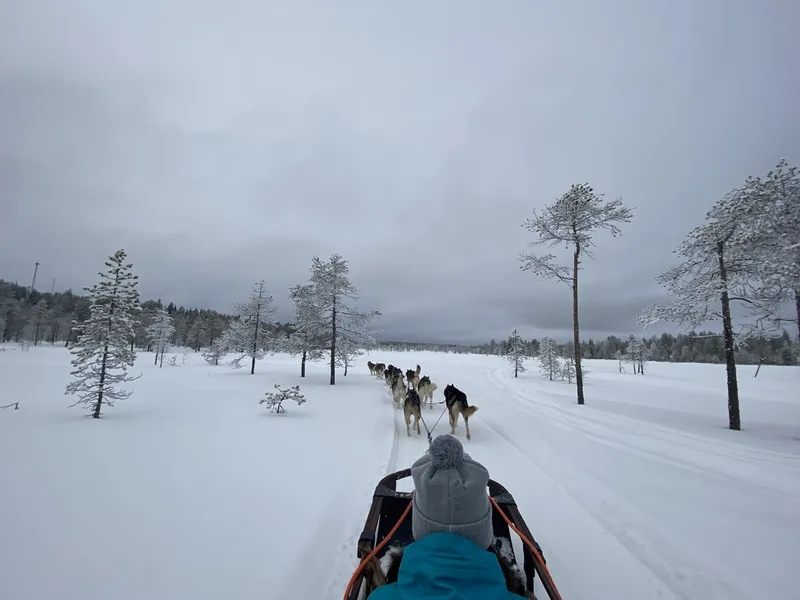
{"x": 388, "y": 524}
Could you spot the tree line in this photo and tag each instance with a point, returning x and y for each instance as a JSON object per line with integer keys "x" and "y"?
{"x": 105, "y": 327}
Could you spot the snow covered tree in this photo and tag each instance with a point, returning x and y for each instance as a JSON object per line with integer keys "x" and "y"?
{"x": 637, "y": 353}
{"x": 333, "y": 293}
{"x": 357, "y": 338}
{"x": 516, "y": 353}
{"x": 717, "y": 268}
{"x": 310, "y": 337}
{"x": 248, "y": 334}
{"x": 38, "y": 320}
{"x": 772, "y": 207}
{"x": 102, "y": 352}
{"x": 567, "y": 369}
{"x": 159, "y": 333}
{"x": 620, "y": 356}
{"x": 549, "y": 361}
{"x": 215, "y": 352}
{"x": 572, "y": 220}
{"x": 275, "y": 400}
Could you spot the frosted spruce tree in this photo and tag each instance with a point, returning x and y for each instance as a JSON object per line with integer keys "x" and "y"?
{"x": 102, "y": 352}
{"x": 717, "y": 268}
{"x": 248, "y": 334}
{"x": 572, "y": 220}
{"x": 549, "y": 361}
{"x": 159, "y": 333}
{"x": 516, "y": 353}
{"x": 333, "y": 296}
{"x": 309, "y": 339}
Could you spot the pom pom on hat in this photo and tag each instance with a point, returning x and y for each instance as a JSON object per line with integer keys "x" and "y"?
{"x": 446, "y": 453}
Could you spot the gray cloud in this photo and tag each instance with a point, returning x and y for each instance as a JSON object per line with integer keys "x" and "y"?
{"x": 221, "y": 143}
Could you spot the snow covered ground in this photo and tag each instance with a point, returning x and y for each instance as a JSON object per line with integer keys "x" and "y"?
{"x": 191, "y": 490}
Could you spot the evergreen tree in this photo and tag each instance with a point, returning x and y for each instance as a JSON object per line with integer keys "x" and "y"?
{"x": 160, "y": 332}
{"x": 516, "y": 353}
{"x": 102, "y": 352}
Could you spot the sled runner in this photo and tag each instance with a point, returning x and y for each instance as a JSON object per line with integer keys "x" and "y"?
{"x": 388, "y": 524}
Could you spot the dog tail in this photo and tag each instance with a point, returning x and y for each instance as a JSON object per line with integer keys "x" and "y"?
{"x": 434, "y": 387}
{"x": 470, "y": 410}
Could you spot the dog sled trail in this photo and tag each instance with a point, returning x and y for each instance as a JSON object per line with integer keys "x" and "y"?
{"x": 641, "y": 503}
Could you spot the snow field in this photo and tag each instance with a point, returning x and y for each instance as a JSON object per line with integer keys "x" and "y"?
{"x": 190, "y": 489}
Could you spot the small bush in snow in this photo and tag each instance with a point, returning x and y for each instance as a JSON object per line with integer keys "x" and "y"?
{"x": 215, "y": 352}
{"x": 274, "y": 400}
{"x": 173, "y": 361}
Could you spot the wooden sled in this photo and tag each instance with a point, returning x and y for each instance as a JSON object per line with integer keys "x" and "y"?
{"x": 388, "y": 524}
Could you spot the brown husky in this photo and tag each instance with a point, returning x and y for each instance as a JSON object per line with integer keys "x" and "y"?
{"x": 457, "y": 404}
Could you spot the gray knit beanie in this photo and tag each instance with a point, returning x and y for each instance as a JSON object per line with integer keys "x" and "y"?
{"x": 450, "y": 494}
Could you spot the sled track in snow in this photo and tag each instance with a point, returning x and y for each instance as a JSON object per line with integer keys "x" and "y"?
{"x": 593, "y": 424}
{"x": 656, "y": 550}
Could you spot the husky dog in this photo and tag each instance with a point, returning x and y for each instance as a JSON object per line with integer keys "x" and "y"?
{"x": 398, "y": 390}
{"x": 376, "y": 368}
{"x": 457, "y": 404}
{"x": 391, "y": 373}
{"x": 411, "y": 377}
{"x": 411, "y": 407}
{"x": 426, "y": 387}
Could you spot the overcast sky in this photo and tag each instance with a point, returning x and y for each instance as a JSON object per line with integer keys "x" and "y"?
{"x": 224, "y": 142}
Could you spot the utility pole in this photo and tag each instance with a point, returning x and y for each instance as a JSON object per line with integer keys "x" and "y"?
{"x": 35, "y": 270}
{"x": 53, "y": 287}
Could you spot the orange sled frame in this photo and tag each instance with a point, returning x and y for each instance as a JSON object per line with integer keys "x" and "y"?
{"x": 389, "y": 524}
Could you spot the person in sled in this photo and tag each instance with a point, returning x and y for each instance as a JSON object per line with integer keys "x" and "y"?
{"x": 453, "y": 555}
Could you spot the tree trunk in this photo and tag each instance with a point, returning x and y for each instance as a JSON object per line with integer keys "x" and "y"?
{"x": 155, "y": 362}
{"x": 797, "y": 306}
{"x": 333, "y": 344}
{"x": 133, "y": 340}
{"x": 345, "y": 367}
{"x": 734, "y": 416}
{"x": 161, "y": 362}
{"x": 99, "y": 402}
{"x": 255, "y": 344}
{"x": 575, "y": 325}
{"x": 516, "y": 367}
{"x": 303, "y": 364}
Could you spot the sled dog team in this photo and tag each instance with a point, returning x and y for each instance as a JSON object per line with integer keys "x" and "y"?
{"x": 413, "y": 395}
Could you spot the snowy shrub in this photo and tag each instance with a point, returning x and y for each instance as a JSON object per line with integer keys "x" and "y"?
{"x": 215, "y": 352}
{"x": 274, "y": 400}
{"x": 173, "y": 361}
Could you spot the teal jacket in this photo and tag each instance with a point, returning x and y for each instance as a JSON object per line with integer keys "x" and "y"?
{"x": 446, "y": 566}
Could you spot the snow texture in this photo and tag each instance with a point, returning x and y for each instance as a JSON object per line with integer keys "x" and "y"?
{"x": 640, "y": 494}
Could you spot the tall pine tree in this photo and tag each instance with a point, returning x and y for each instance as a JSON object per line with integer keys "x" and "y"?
{"x": 102, "y": 352}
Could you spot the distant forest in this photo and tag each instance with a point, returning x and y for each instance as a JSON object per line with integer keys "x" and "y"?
{"x": 34, "y": 317}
